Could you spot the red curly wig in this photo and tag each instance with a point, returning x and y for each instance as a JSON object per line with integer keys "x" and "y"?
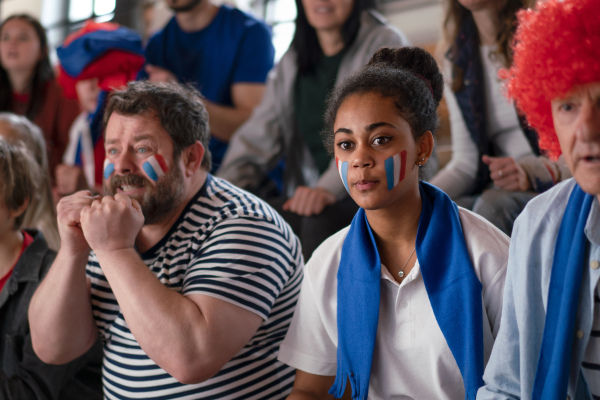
{"x": 557, "y": 47}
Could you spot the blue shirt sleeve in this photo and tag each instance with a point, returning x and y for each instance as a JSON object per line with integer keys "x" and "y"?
{"x": 256, "y": 55}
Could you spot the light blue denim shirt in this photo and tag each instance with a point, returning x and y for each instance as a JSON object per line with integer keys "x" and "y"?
{"x": 510, "y": 372}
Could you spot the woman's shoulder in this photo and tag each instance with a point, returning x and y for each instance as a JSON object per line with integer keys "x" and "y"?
{"x": 486, "y": 244}
{"x": 325, "y": 260}
{"x": 373, "y": 24}
{"x": 479, "y": 231}
{"x": 55, "y": 101}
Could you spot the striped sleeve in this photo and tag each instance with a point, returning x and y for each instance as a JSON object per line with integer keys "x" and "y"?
{"x": 244, "y": 261}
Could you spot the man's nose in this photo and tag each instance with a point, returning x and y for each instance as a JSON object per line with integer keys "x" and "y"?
{"x": 124, "y": 163}
{"x": 588, "y": 124}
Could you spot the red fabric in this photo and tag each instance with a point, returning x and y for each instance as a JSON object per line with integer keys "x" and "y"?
{"x": 21, "y": 97}
{"x": 99, "y": 154}
{"x": 113, "y": 69}
{"x": 27, "y": 240}
{"x": 90, "y": 26}
{"x": 556, "y": 49}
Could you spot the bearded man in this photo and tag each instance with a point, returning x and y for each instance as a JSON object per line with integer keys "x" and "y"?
{"x": 190, "y": 282}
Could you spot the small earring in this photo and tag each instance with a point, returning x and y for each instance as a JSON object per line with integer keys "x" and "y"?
{"x": 422, "y": 159}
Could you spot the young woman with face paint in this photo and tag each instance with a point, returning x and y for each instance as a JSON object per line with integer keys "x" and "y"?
{"x": 406, "y": 301}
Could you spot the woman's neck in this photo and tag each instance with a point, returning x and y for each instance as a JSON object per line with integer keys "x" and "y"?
{"x": 20, "y": 81}
{"x": 395, "y": 227}
{"x": 488, "y": 25}
{"x": 331, "y": 42}
{"x": 10, "y": 250}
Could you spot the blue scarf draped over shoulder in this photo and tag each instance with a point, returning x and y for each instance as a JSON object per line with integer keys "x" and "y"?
{"x": 452, "y": 286}
{"x": 552, "y": 375}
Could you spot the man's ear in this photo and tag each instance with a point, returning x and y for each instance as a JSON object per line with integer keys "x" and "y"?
{"x": 192, "y": 157}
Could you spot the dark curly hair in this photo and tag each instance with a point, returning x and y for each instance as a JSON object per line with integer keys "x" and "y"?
{"x": 408, "y": 75}
{"x": 178, "y": 108}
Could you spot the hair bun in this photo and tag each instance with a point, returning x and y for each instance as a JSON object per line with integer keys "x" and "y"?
{"x": 414, "y": 60}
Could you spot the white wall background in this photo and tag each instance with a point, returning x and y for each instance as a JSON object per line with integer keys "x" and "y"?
{"x": 33, "y": 7}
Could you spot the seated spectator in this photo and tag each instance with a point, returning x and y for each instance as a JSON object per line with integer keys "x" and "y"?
{"x": 327, "y": 47}
{"x": 224, "y": 52}
{"x": 24, "y": 260}
{"x": 95, "y": 60}
{"x": 496, "y": 167}
{"x": 548, "y": 346}
{"x": 41, "y": 212}
{"x": 191, "y": 282}
{"x": 404, "y": 303}
{"x": 28, "y": 84}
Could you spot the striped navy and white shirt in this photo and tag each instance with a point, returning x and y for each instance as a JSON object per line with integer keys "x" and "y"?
{"x": 591, "y": 358}
{"x": 230, "y": 245}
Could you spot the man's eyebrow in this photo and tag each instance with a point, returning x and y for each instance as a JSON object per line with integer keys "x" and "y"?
{"x": 137, "y": 138}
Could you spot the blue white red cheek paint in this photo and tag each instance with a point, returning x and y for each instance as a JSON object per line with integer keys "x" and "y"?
{"x": 342, "y": 167}
{"x": 109, "y": 168}
{"x": 155, "y": 167}
{"x": 395, "y": 169}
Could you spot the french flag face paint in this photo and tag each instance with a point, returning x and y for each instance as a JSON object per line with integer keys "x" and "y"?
{"x": 155, "y": 167}
{"x": 395, "y": 169}
{"x": 109, "y": 168}
{"x": 342, "y": 167}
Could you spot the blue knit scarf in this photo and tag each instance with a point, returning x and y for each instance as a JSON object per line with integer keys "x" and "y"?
{"x": 453, "y": 288}
{"x": 551, "y": 379}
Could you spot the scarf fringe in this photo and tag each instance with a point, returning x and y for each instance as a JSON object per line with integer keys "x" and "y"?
{"x": 471, "y": 395}
{"x": 360, "y": 390}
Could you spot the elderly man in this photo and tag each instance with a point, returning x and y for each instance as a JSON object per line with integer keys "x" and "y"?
{"x": 191, "y": 282}
{"x": 548, "y": 346}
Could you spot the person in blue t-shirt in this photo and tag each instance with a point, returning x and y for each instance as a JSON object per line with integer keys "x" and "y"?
{"x": 224, "y": 52}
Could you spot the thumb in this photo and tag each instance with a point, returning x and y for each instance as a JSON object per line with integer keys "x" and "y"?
{"x": 487, "y": 159}
{"x": 135, "y": 204}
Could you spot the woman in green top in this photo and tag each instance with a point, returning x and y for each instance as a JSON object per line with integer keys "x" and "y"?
{"x": 333, "y": 38}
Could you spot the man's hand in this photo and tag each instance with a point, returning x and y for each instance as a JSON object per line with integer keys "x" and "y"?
{"x": 112, "y": 223}
{"x": 309, "y": 201}
{"x": 69, "y": 222}
{"x": 158, "y": 74}
{"x": 507, "y": 174}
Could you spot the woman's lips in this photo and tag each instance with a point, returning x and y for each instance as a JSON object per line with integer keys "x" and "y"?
{"x": 365, "y": 184}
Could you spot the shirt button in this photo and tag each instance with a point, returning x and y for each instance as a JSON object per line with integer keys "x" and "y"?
{"x": 579, "y": 335}
{"x": 594, "y": 264}
{"x": 403, "y": 305}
